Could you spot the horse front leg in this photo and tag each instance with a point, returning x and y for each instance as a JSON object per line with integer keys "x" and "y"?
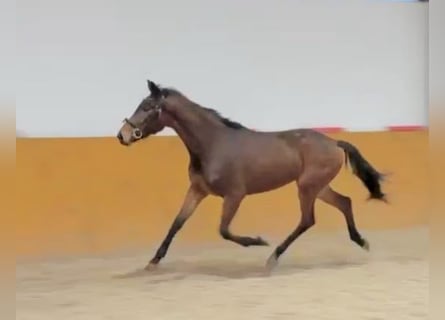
{"x": 230, "y": 206}
{"x": 193, "y": 198}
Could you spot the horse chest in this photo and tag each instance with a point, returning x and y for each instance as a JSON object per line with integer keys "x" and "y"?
{"x": 217, "y": 178}
{"x": 215, "y": 182}
{"x": 217, "y": 170}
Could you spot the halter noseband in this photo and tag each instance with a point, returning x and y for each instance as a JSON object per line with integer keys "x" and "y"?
{"x": 130, "y": 123}
{"x": 137, "y": 135}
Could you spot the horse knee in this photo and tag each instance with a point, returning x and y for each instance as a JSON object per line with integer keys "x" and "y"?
{"x": 307, "y": 223}
{"x": 311, "y": 221}
{"x": 225, "y": 234}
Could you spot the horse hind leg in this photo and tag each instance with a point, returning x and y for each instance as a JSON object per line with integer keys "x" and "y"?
{"x": 307, "y": 193}
{"x": 311, "y": 182}
{"x": 344, "y": 204}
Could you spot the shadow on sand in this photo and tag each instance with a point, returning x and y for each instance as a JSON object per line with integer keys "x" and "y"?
{"x": 228, "y": 269}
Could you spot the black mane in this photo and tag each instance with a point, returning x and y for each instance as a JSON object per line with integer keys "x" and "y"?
{"x": 226, "y": 121}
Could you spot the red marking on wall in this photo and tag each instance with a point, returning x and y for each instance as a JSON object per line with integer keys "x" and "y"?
{"x": 398, "y": 128}
{"x": 406, "y": 128}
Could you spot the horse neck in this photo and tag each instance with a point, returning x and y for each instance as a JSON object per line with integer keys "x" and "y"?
{"x": 195, "y": 129}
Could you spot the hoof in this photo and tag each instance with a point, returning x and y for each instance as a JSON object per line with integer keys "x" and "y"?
{"x": 272, "y": 262}
{"x": 365, "y": 245}
{"x": 261, "y": 242}
{"x": 151, "y": 266}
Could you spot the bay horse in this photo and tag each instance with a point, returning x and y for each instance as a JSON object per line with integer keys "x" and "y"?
{"x": 231, "y": 161}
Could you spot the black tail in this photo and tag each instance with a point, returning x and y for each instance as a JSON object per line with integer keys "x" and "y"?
{"x": 363, "y": 169}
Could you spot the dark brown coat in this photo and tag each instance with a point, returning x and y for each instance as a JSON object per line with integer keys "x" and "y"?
{"x": 231, "y": 161}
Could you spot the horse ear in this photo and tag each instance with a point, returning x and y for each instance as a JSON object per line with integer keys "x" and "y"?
{"x": 154, "y": 89}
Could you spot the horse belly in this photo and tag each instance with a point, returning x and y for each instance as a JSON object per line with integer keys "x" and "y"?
{"x": 269, "y": 175}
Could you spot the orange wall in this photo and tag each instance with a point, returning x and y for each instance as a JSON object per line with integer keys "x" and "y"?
{"x": 94, "y": 196}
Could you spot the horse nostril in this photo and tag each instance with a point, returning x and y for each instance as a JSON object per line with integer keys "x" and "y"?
{"x": 119, "y": 136}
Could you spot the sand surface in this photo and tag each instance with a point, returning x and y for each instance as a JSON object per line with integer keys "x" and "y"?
{"x": 320, "y": 277}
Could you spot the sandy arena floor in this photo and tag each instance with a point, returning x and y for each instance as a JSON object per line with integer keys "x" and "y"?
{"x": 320, "y": 277}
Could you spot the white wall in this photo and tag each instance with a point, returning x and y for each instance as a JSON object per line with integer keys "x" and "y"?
{"x": 268, "y": 64}
{"x": 7, "y": 55}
